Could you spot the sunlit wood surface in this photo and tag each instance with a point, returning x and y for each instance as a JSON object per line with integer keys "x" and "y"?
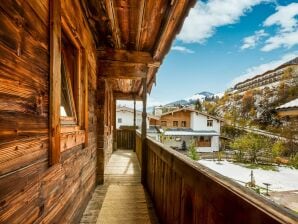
{"x": 122, "y": 199}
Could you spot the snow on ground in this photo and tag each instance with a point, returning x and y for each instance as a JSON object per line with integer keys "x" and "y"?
{"x": 219, "y": 95}
{"x": 284, "y": 179}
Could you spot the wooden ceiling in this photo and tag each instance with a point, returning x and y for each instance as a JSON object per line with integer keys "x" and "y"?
{"x": 132, "y": 37}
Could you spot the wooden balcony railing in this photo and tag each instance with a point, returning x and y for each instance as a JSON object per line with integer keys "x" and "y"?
{"x": 184, "y": 191}
{"x": 125, "y": 138}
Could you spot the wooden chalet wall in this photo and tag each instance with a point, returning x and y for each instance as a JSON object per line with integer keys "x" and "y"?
{"x": 105, "y": 114}
{"x": 176, "y": 116}
{"x": 30, "y": 189}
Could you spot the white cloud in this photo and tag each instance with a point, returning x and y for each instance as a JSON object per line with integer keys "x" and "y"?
{"x": 205, "y": 17}
{"x": 182, "y": 49}
{"x": 286, "y": 19}
{"x": 256, "y": 70}
{"x": 252, "y": 41}
{"x": 287, "y": 40}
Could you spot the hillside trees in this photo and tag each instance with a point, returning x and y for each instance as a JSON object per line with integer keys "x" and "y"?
{"x": 210, "y": 107}
{"x": 247, "y": 103}
{"x": 251, "y": 144}
{"x": 198, "y": 105}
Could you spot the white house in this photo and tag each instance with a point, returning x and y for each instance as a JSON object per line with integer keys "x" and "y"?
{"x": 191, "y": 126}
{"x": 124, "y": 117}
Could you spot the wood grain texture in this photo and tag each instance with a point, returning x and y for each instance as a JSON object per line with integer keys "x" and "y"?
{"x": 147, "y": 26}
{"x": 184, "y": 191}
{"x": 55, "y": 80}
{"x": 122, "y": 199}
{"x": 30, "y": 190}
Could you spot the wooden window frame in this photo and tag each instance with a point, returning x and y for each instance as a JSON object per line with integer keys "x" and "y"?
{"x": 208, "y": 123}
{"x": 175, "y": 124}
{"x": 65, "y": 133}
{"x": 164, "y": 122}
{"x": 204, "y": 141}
{"x": 183, "y": 124}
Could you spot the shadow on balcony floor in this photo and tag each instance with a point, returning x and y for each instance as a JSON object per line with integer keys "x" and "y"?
{"x": 122, "y": 199}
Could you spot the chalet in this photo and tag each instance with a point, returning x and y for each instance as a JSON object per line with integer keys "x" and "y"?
{"x": 191, "y": 126}
{"x": 125, "y": 117}
{"x": 288, "y": 114}
{"x": 63, "y": 66}
{"x": 288, "y": 110}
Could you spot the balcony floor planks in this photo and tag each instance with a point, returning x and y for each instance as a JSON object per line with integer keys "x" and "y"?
{"x": 122, "y": 199}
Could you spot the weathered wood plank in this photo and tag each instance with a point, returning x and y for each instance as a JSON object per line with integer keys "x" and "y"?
{"x": 55, "y": 80}
{"x": 113, "y": 22}
{"x": 122, "y": 70}
{"x": 125, "y": 56}
{"x": 15, "y": 155}
{"x": 197, "y": 194}
{"x": 30, "y": 191}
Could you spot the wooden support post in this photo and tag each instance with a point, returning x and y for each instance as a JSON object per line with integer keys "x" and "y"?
{"x": 114, "y": 124}
{"x": 55, "y": 81}
{"x": 144, "y": 133}
{"x": 134, "y": 123}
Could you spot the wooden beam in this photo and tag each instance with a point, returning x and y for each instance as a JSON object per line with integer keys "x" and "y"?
{"x": 126, "y": 96}
{"x": 55, "y": 80}
{"x": 109, "y": 54}
{"x": 171, "y": 27}
{"x": 144, "y": 133}
{"x": 122, "y": 70}
{"x": 85, "y": 96}
{"x": 140, "y": 23}
{"x": 114, "y": 22}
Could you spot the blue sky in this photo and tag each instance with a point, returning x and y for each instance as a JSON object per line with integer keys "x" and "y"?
{"x": 225, "y": 41}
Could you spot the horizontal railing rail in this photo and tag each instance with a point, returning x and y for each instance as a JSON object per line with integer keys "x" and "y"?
{"x": 184, "y": 191}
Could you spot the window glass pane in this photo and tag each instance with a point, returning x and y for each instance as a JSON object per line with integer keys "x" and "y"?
{"x": 68, "y": 78}
{"x": 65, "y": 107}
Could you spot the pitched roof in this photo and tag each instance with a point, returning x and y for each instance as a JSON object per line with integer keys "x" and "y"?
{"x": 190, "y": 133}
{"x": 289, "y": 105}
{"x": 192, "y": 110}
{"x": 128, "y": 109}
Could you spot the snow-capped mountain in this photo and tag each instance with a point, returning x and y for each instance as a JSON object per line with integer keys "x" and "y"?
{"x": 178, "y": 102}
{"x": 201, "y": 96}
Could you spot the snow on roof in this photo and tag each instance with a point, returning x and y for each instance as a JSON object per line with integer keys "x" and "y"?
{"x": 131, "y": 110}
{"x": 191, "y": 133}
{"x": 291, "y": 104}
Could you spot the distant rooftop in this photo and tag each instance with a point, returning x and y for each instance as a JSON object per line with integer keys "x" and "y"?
{"x": 291, "y": 104}
{"x": 190, "y": 132}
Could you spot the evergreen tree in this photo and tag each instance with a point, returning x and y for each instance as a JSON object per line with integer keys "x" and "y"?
{"x": 198, "y": 105}
{"x": 183, "y": 147}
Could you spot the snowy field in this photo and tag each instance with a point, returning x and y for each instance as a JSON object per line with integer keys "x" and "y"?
{"x": 284, "y": 179}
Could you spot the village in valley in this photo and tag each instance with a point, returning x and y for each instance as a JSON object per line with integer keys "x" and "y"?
{"x": 249, "y": 133}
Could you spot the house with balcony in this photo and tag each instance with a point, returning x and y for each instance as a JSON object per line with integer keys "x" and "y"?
{"x": 63, "y": 66}
{"x": 192, "y": 126}
{"x": 271, "y": 77}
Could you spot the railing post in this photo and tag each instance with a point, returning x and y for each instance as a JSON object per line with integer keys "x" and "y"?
{"x": 134, "y": 122}
{"x": 114, "y": 124}
{"x": 144, "y": 132}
